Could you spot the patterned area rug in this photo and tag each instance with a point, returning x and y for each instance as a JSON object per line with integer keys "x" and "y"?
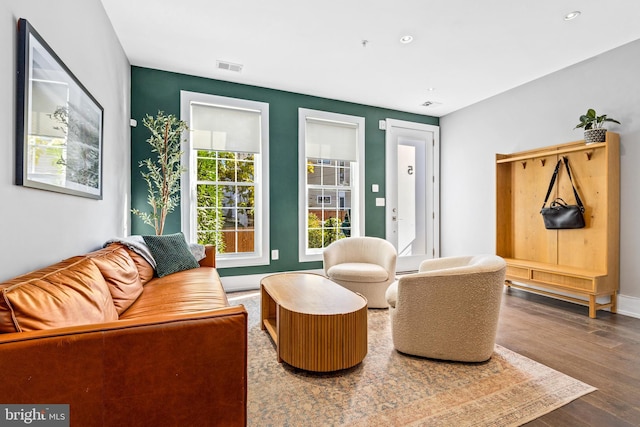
{"x": 392, "y": 389}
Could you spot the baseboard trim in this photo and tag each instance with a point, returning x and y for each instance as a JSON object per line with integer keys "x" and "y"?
{"x": 250, "y": 282}
{"x": 629, "y": 306}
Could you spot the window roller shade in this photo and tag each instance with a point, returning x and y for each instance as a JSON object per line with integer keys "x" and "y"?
{"x": 331, "y": 140}
{"x": 225, "y": 129}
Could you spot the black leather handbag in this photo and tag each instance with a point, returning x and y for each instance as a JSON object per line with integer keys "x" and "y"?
{"x": 560, "y": 215}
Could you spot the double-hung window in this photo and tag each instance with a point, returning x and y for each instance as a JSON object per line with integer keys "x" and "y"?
{"x": 331, "y": 179}
{"x": 225, "y": 189}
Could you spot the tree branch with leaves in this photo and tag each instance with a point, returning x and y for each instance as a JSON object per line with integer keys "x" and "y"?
{"x": 163, "y": 173}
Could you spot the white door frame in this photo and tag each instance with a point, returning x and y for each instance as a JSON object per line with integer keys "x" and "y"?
{"x": 394, "y": 130}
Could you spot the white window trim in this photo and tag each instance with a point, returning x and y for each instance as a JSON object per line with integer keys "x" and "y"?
{"x": 358, "y": 202}
{"x": 261, "y": 215}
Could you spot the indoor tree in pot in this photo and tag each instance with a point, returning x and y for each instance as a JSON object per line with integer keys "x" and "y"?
{"x": 162, "y": 175}
{"x": 593, "y": 126}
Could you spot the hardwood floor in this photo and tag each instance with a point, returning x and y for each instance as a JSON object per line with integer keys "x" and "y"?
{"x": 602, "y": 352}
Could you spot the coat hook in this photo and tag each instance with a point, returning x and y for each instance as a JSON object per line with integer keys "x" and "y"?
{"x": 524, "y": 165}
{"x": 543, "y": 161}
{"x": 589, "y": 154}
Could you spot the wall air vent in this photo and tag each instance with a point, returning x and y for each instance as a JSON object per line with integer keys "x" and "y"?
{"x": 228, "y": 66}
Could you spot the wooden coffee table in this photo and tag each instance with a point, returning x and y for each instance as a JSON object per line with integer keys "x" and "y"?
{"x": 316, "y": 324}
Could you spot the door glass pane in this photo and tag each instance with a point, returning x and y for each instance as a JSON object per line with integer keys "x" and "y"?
{"x": 411, "y": 215}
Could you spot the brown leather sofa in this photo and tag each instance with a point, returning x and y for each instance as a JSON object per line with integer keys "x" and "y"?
{"x": 124, "y": 348}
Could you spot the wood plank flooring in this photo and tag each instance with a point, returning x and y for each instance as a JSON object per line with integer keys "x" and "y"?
{"x": 602, "y": 352}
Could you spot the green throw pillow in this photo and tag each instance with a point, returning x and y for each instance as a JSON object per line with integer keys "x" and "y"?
{"x": 171, "y": 253}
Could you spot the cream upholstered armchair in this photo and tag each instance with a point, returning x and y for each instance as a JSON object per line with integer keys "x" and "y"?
{"x": 366, "y": 265}
{"x": 449, "y": 309}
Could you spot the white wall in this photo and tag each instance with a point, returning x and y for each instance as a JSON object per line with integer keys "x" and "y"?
{"x": 537, "y": 114}
{"x": 40, "y": 227}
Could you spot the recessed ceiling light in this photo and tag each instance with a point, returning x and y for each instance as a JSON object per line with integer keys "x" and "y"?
{"x": 572, "y": 15}
{"x": 406, "y": 39}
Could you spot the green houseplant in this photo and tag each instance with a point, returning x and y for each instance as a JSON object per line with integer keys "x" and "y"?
{"x": 162, "y": 174}
{"x": 593, "y": 126}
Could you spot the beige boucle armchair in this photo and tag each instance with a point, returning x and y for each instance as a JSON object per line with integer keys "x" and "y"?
{"x": 449, "y": 309}
{"x": 366, "y": 265}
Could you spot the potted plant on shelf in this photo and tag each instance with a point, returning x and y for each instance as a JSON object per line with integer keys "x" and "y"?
{"x": 162, "y": 174}
{"x": 593, "y": 126}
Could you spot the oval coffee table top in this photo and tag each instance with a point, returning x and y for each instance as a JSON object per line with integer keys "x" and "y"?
{"x": 311, "y": 294}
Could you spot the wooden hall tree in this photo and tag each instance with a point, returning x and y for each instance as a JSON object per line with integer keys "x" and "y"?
{"x": 578, "y": 265}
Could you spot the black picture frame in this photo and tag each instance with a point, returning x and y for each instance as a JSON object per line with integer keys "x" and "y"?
{"x": 59, "y": 124}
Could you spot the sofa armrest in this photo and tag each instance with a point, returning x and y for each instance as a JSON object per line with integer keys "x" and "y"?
{"x": 209, "y": 259}
{"x": 188, "y": 369}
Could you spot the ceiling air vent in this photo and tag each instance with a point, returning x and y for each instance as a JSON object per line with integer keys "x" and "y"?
{"x": 431, "y": 104}
{"x": 228, "y": 66}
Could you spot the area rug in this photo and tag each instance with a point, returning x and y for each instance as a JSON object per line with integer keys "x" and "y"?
{"x": 392, "y": 389}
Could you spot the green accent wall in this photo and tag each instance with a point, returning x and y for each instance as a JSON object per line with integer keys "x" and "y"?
{"x": 154, "y": 90}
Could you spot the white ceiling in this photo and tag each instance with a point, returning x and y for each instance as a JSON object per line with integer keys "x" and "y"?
{"x": 465, "y": 50}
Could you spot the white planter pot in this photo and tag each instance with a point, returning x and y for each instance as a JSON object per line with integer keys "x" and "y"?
{"x": 595, "y": 135}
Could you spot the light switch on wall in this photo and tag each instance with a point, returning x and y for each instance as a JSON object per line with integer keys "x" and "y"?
{"x": 275, "y": 254}
{"x": 375, "y": 188}
{"x": 379, "y": 201}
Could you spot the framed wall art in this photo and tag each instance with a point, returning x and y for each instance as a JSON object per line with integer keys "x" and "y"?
{"x": 59, "y": 124}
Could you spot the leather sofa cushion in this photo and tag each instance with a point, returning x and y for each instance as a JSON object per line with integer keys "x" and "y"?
{"x": 358, "y": 272}
{"x": 72, "y": 292}
{"x": 120, "y": 273}
{"x": 184, "y": 292}
{"x": 145, "y": 270}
